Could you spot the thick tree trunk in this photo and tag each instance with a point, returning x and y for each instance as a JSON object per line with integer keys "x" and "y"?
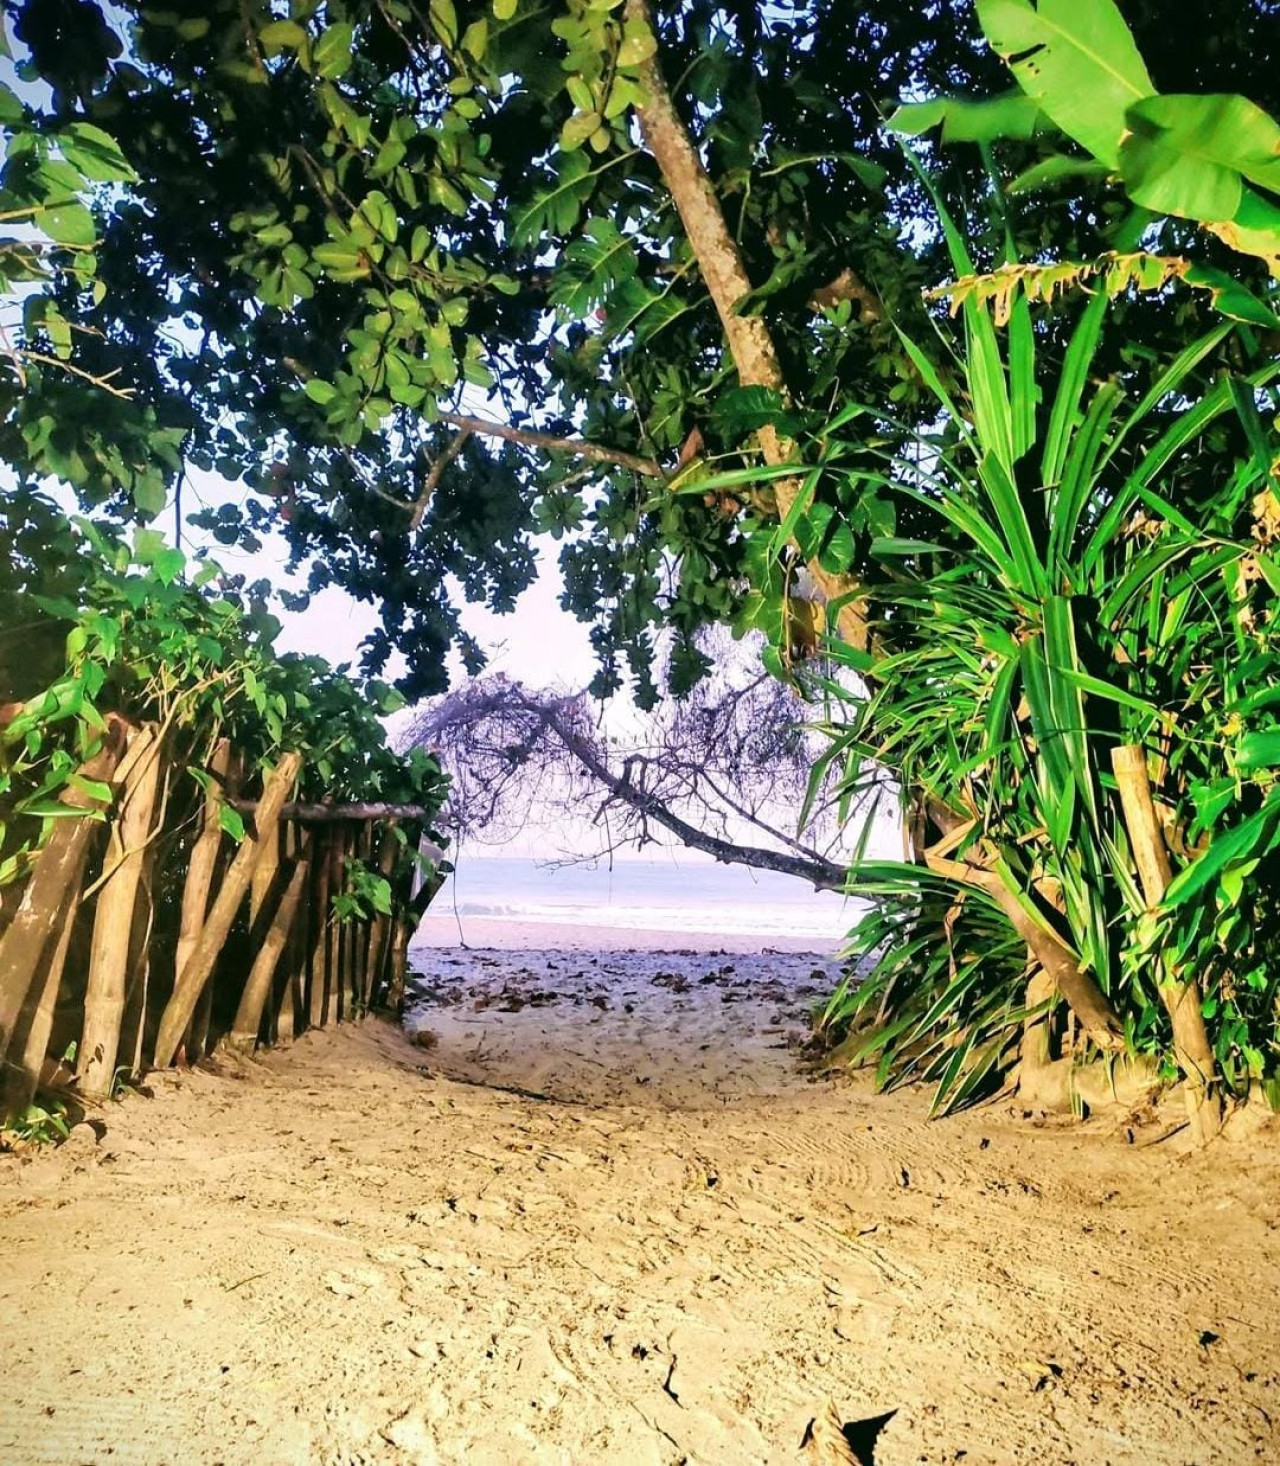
{"x": 200, "y": 964}
{"x": 1181, "y": 996}
{"x": 113, "y": 925}
{"x": 53, "y": 887}
{"x": 720, "y": 262}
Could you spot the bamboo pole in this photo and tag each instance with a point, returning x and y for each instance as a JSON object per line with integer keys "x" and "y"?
{"x": 1181, "y": 996}
{"x": 54, "y": 885}
{"x": 264, "y": 872}
{"x": 248, "y": 1020}
{"x": 104, "y": 1003}
{"x": 200, "y": 964}
{"x": 223, "y": 770}
{"x": 133, "y": 1030}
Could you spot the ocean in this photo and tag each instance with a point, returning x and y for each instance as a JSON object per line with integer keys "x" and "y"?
{"x": 670, "y": 894}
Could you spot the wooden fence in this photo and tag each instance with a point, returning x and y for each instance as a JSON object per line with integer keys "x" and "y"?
{"x": 151, "y": 936}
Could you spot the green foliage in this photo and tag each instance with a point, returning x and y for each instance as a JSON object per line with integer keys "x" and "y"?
{"x": 1188, "y": 155}
{"x": 1098, "y": 572}
{"x": 143, "y": 640}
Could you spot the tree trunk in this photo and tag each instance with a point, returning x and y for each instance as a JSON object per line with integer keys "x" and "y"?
{"x": 248, "y": 1020}
{"x": 1085, "y": 998}
{"x": 720, "y": 262}
{"x": 53, "y": 887}
{"x": 138, "y": 778}
{"x": 200, "y": 963}
{"x": 1181, "y": 996}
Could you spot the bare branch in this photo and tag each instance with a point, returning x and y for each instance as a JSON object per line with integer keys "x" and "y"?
{"x": 575, "y": 446}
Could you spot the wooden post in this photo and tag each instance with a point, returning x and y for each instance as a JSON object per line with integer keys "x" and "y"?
{"x": 200, "y": 964}
{"x": 138, "y": 778}
{"x": 381, "y": 926}
{"x": 248, "y": 1020}
{"x": 318, "y": 954}
{"x": 285, "y": 1011}
{"x": 30, "y": 1044}
{"x": 53, "y": 887}
{"x": 1181, "y": 996}
{"x": 332, "y": 930}
{"x": 362, "y": 932}
{"x": 224, "y": 770}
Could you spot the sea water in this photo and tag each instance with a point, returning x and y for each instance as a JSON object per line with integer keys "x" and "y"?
{"x": 671, "y": 894}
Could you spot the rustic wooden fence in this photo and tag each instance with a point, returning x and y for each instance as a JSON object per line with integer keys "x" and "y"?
{"x": 149, "y": 935}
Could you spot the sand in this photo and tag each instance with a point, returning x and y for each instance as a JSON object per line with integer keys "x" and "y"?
{"x": 569, "y": 1230}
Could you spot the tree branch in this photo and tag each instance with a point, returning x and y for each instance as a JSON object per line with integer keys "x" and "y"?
{"x": 822, "y": 874}
{"x": 597, "y": 452}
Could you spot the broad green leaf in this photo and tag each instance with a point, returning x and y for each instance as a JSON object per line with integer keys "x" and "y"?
{"x": 1014, "y": 114}
{"x": 1258, "y": 751}
{"x": 1186, "y": 155}
{"x": 1077, "y": 60}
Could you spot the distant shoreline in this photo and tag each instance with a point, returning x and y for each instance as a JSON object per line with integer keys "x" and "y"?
{"x": 439, "y": 928}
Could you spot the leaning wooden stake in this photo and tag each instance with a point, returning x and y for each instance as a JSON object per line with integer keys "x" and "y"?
{"x": 53, "y": 888}
{"x": 223, "y": 773}
{"x": 30, "y": 1045}
{"x": 104, "y": 1001}
{"x": 200, "y": 964}
{"x": 1181, "y": 996}
{"x": 248, "y": 1020}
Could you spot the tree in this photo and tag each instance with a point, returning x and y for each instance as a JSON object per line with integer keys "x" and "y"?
{"x": 363, "y": 210}
{"x": 678, "y": 254}
{"x": 724, "y": 770}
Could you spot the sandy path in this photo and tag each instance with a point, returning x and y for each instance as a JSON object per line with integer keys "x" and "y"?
{"x": 344, "y": 1259}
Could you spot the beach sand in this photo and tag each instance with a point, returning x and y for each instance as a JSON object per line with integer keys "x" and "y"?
{"x": 600, "y": 1212}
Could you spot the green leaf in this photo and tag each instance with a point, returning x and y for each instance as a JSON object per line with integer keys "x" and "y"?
{"x": 1014, "y": 114}
{"x": 1187, "y": 155}
{"x": 333, "y": 50}
{"x": 68, "y": 224}
{"x": 281, "y": 35}
{"x": 95, "y": 154}
{"x": 1258, "y": 751}
{"x": 1057, "y": 169}
{"x": 639, "y": 44}
{"x": 321, "y": 392}
{"x": 231, "y": 821}
{"x": 1077, "y": 60}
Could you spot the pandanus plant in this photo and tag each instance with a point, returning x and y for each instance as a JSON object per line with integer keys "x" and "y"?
{"x": 1076, "y": 688}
